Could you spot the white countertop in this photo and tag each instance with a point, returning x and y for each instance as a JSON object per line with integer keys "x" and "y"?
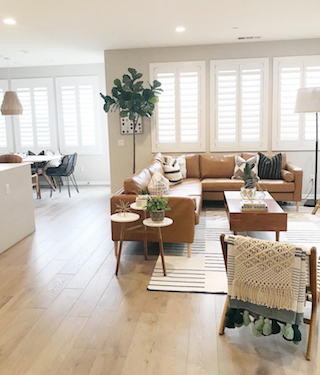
{"x": 8, "y": 166}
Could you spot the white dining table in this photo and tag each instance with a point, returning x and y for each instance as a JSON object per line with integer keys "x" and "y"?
{"x": 36, "y": 159}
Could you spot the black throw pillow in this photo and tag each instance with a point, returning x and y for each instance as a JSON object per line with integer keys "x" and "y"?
{"x": 270, "y": 168}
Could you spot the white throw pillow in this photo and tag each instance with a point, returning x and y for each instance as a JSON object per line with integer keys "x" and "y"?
{"x": 55, "y": 162}
{"x": 172, "y": 172}
{"x": 181, "y": 161}
{"x": 240, "y": 164}
{"x": 158, "y": 185}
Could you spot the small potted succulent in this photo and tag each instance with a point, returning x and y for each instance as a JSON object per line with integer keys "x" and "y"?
{"x": 142, "y": 198}
{"x": 157, "y": 206}
{"x": 248, "y": 191}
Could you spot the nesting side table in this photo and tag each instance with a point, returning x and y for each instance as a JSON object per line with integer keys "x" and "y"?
{"x": 156, "y": 226}
{"x": 142, "y": 227}
{"x": 123, "y": 219}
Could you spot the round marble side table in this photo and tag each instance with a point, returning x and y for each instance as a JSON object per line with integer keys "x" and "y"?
{"x": 157, "y": 225}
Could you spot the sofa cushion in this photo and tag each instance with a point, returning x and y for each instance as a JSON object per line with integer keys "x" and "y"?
{"x": 270, "y": 168}
{"x": 287, "y": 176}
{"x": 221, "y": 184}
{"x": 248, "y": 155}
{"x": 193, "y": 165}
{"x": 217, "y": 166}
{"x": 276, "y": 186}
{"x": 139, "y": 181}
{"x": 155, "y": 166}
{"x": 188, "y": 187}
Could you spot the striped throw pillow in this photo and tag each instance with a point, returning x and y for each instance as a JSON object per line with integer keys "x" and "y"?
{"x": 270, "y": 168}
{"x": 173, "y": 172}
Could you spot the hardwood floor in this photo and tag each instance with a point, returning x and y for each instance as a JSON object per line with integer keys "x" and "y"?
{"x": 63, "y": 311}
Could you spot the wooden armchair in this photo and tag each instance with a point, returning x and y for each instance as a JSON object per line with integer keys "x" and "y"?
{"x": 312, "y": 294}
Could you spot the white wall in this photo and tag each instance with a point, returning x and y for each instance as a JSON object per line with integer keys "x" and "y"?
{"x": 96, "y": 167}
{"x": 118, "y": 61}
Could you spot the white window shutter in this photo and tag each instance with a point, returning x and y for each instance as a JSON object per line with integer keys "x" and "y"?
{"x": 239, "y": 104}
{"x": 166, "y": 119}
{"x": 293, "y": 131}
{"x": 5, "y": 124}
{"x": 189, "y": 107}
{"x": 178, "y": 123}
{"x": 79, "y": 114}
{"x": 226, "y": 105}
{"x": 36, "y": 127}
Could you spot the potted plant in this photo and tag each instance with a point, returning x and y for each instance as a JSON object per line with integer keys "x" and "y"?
{"x": 142, "y": 198}
{"x": 133, "y": 100}
{"x": 157, "y": 206}
{"x": 248, "y": 191}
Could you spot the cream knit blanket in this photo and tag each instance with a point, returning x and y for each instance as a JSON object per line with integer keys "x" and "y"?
{"x": 265, "y": 273}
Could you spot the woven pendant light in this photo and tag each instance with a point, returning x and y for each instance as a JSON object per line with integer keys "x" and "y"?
{"x": 11, "y": 104}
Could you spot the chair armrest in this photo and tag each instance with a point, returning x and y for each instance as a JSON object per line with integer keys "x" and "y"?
{"x": 298, "y": 175}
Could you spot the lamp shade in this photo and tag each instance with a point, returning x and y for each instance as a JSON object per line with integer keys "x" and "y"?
{"x": 11, "y": 104}
{"x": 308, "y": 100}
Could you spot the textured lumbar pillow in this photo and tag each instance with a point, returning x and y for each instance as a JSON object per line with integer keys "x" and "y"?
{"x": 158, "y": 185}
{"x": 181, "y": 161}
{"x": 270, "y": 168}
{"x": 173, "y": 172}
{"x": 238, "y": 173}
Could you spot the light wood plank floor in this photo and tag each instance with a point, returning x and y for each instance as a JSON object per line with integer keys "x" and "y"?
{"x": 63, "y": 312}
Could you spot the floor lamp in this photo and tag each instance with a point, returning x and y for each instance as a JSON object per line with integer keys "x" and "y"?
{"x": 308, "y": 101}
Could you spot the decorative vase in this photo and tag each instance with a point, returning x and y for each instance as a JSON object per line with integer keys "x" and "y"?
{"x": 142, "y": 200}
{"x": 248, "y": 194}
{"x": 157, "y": 215}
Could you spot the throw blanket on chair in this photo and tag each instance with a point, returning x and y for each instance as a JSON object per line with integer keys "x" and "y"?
{"x": 267, "y": 280}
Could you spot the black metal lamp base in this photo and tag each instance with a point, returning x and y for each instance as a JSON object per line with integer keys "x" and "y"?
{"x": 310, "y": 203}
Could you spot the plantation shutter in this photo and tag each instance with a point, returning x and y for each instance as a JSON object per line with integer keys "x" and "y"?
{"x": 167, "y": 109}
{"x": 36, "y": 126}
{"x": 189, "y": 106}
{"x": 239, "y": 110}
{"x": 226, "y": 96}
{"x": 178, "y": 122}
{"x": 293, "y": 130}
{"x": 78, "y": 109}
{"x": 5, "y": 124}
{"x": 312, "y": 75}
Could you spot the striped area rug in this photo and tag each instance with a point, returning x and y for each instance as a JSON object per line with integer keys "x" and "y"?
{"x": 204, "y": 272}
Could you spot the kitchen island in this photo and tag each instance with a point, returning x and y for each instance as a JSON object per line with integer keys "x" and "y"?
{"x": 16, "y": 204}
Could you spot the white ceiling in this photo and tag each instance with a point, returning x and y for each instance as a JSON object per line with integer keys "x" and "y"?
{"x": 78, "y": 31}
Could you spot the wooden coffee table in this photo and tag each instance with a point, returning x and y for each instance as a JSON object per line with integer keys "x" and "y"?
{"x": 273, "y": 220}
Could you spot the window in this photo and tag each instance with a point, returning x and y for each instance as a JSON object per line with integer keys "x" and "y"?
{"x": 178, "y": 123}
{"x": 35, "y": 128}
{"x": 5, "y": 124}
{"x": 78, "y": 114}
{"x": 239, "y": 104}
{"x": 292, "y": 131}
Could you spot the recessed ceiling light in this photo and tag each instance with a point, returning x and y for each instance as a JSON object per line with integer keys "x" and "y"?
{"x": 10, "y": 21}
{"x": 235, "y": 27}
{"x": 180, "y": 29}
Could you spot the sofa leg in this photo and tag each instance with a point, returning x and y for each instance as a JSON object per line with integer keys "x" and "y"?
{"x": 189, "y": 250}
{"x": 298, "y": 206}
{"x": 115, "y": 248}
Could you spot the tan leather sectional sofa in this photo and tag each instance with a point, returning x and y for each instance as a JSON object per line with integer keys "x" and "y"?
{"x": 207, "y": 178}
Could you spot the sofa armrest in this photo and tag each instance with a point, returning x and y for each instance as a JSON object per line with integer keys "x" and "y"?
{"x": 298, "y": 175}
{"x": 182, "y": 213}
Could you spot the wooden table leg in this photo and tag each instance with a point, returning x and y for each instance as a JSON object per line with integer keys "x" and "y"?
{"x": 277, "y": 236}
{"x": 162, "y": 253}
{"x": 223, "y": 318}
{"x": 234, "y": 232}
{"x": 120, "y": 248}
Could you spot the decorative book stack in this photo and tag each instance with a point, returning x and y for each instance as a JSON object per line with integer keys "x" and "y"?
{"x": 256, "y": 206}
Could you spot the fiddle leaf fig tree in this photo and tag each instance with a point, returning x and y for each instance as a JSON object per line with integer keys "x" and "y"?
{"x": 132, "y": 100}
